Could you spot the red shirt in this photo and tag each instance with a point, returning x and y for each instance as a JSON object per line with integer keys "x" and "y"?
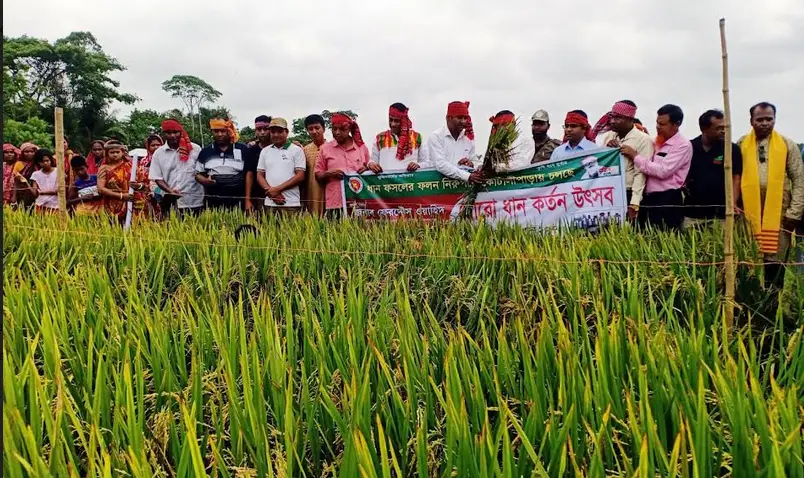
{"x": 349, "y": 160}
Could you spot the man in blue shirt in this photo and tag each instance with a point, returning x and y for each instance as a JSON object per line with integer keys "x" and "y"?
{"x": 576, "y": 136}
{"x": 221, "y": 167}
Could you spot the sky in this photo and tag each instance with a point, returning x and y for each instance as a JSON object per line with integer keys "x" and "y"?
{"x": 294, "y": 58}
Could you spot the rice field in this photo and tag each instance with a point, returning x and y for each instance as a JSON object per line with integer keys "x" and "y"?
{"x": 321, "y": 349}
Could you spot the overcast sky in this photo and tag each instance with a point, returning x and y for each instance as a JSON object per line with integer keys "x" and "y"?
{"x": 294, "y": 58}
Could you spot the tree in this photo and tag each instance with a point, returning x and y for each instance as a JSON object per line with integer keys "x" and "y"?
{"x": 247, "y": 134}
{"x": 194, "y": 92}
{"x": 139, "y": 124}
{"x": 34, "y": 130}
{"x": 300, "y": 132}
{"x": 73, "y": 72}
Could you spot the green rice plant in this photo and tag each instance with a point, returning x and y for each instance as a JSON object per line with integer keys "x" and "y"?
{"x": 390, "y": 349}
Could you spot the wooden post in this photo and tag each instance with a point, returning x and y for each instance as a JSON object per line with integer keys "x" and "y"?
{"x": 728, "y": 247}
{"x": 61, "y": 174}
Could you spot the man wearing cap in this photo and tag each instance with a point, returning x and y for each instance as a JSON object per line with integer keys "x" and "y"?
{"x": 281, "y": 170}
{"x": 346, "y": 154}
{"x": 577, "y": 136}
{"x": 173, "y": 170}
{"x": 619, "y": 128}
{"x": 543, "y": 144}
{"x": 453, "y": 146}
{"x": 254, "y": 192}
{"x": 221, "y": 167}
{"x": 400, "y": 147}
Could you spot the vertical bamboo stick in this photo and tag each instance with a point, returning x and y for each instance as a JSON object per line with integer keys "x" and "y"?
{"x": 61, "y": 174}
{"x": 728, "y": 247}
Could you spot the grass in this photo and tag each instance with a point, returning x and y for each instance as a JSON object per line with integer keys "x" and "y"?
{"x": 403, "y": 350}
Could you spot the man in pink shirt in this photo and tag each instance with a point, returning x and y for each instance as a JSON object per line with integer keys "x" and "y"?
{"x": 345, "y": 154}
{"x": 665, "y": 172}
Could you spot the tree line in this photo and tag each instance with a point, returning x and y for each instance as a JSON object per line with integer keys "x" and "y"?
{"x": 76, "y": 74}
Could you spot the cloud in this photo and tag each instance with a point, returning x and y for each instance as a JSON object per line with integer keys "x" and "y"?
{"x": 296, "y": 58}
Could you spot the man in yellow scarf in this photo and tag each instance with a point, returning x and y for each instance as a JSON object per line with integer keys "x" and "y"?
{"x": 772, "y": 189}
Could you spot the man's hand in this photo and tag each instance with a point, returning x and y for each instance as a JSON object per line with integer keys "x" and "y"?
{"x": 174, "y": 192}
{"x": 789, "y": 224}
{"x": 249, "y": 206}
{"x": 374, "y": 167}
{"x": 628, "y": 152}
{"x": 205, "y": 180}
{"x": 465, "y": 162}
{"x": 336, "y": 174}
{"x": 632, "y": 213}
{"x": 413, "y": 167}
{"x": 613, "y": 143}
{"x": 477, "y": 177}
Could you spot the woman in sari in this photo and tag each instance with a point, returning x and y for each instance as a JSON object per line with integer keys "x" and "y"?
{"x": 10, "y": 156}
{"x": 95, "y": 157}
{"x": 152, "y": 143}
{"x": 114, "y": 180}
{"x": 22, "y": 176}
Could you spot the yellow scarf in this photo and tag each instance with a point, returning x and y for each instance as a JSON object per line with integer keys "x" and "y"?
{"x": 765, "y": 222}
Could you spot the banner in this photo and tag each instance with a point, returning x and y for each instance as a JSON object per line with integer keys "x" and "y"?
{"x": 585, "y": 190}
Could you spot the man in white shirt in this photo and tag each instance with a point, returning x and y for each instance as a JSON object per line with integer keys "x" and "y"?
{"x": 452, "y": 146}
{"x": 400, "y": 147}
{"x": 281, "y": 170}
{"x": 620, "y": 129}
{"x": 577, "y": 134}
{"x": 173, "y": 170}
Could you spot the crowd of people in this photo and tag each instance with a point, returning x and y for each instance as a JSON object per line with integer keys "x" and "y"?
{"x": 672, "y": 182}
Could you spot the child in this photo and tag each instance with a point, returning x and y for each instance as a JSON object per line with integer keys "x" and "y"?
{"x": 83, "y": 193}
{"x": 45, "y": 184}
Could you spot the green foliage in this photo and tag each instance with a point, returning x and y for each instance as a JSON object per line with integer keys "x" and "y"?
{"x": 192, "y": 90}
{"x": 387, "y": 349}
{"x": 73, "y": 72}
{"x": 34, "y": 130}
{"x": 247, "y": 134}
{"x": 299, "y": 133}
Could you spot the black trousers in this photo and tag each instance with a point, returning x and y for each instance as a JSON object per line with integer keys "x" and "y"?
{"x": 662, "y": 210}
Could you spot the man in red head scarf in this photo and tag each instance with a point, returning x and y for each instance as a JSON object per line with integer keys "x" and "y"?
{"x": 400, "y": 147}
{"x": 451, "y": 148}
{"x": 345, "y": 154}
{"x": 173, "y": 170}
{"x": 620, "y": 129}
{"x": 577, "y": 136}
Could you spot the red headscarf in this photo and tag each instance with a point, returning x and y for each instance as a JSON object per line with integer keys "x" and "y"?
{"x": 461, "y": 108}
{"x": 502, "y": 119}
{"x": 577, "y": 118}
{"x": 340, "y": 119}
{"x": 11, "y": 147}
{"x": 604, "y": 123}
{"x": 185, "y": 146}
{"x": 403, "y": 147}
{"x": 93, "y": 160}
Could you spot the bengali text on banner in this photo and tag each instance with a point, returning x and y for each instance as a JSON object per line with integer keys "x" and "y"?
{"x": 585, "y": 190}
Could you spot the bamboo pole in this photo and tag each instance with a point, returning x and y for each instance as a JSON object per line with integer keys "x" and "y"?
{"x": 728, "y": 246}
{"x": 58, "y": 130}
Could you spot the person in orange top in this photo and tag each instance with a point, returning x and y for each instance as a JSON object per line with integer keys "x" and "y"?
{"x": 114, "y": 181}
{"x": 23, "y": 169}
